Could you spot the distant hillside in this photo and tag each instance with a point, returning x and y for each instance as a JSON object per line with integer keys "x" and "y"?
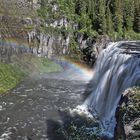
{"x": 120, "y": 19}
{"x": 69, "y": 27}
{"x": 18, "y": 8}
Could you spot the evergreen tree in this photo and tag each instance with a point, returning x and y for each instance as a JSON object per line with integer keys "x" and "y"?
{"x": 128, "y": 14}
{"x": 93, "y": 14}
{"x": 43, "y": 4}
{"x": 101, "y": 16}
{"x": 112, "y": 17}
{"x": 118, "y": 16}
{"x": 136, "y": 25}
{"x": 109, "y": 20}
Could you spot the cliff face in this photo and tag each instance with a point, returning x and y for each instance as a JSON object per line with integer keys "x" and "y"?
{"x": 49, "y": 45}
{"x": 20, "y": 35}
{"x": 54, "y": 36}
{"x": 23, "y": 29}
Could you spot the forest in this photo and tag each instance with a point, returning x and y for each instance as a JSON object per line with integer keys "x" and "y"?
{"x": 120, "y": 19}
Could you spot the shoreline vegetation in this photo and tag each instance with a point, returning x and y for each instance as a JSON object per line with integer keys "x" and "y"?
{"x": 9, "y": 77}
{"x": 11, "y": 74}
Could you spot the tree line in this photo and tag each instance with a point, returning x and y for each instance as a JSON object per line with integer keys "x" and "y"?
{"x": 117, "y": 18}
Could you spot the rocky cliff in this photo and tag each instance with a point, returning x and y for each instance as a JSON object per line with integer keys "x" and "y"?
{"x": 26, "y": 37}
{"x": 51, "y": 37}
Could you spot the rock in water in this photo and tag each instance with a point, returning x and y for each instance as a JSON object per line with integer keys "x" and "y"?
{"x": 117, "y": 68}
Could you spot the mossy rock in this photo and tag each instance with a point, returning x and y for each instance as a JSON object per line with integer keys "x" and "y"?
{"x": 130, "y": 112}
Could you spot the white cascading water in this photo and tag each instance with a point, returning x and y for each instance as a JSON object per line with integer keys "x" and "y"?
{"x": 117, "y": 68}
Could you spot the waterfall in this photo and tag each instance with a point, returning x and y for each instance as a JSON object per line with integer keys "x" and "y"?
{"x": 117, "y": 68}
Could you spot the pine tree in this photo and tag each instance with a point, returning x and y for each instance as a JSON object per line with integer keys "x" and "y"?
{"x": 43, "y": 4}
{"x": 128, "y": 14}
{"x": 109, "y": 20}
{"x": 137, "y": 16}
{"x": 118, "y": 16}
{"x": 112, "y": 17}
{"x": 101, "y": 16}
{"x": 92, "y": 13}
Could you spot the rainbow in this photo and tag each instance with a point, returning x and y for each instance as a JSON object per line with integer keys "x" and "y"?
{"x": 78, "y": 67}
{"x": 12, "y": 42}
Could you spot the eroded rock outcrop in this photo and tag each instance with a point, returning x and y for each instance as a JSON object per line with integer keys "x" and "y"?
{"x": 49, "y": 43}
{"x": 127, "y": 115}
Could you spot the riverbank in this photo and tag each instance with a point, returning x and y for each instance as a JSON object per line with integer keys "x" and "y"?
{"x": 11, "y": 74}
{"x": 9, "y": 77}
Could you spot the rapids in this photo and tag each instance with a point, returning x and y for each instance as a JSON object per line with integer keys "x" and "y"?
{"x": 24, "y": 111}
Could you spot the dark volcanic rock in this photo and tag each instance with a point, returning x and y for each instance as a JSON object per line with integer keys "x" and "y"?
{"x": 93, "y": 48}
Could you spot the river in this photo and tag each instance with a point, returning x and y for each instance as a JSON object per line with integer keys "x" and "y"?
{"x": 24, "y": 111}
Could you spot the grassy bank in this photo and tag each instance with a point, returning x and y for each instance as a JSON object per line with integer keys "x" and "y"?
{"x": 9, "y": 77}
{"x": 11, "y": 74}
{"x": 29, "y": 63}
